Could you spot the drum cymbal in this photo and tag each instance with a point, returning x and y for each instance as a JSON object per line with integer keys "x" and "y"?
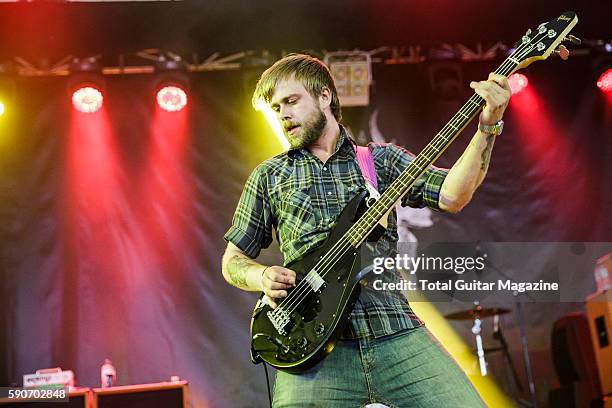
{"x": 478, "y": 311}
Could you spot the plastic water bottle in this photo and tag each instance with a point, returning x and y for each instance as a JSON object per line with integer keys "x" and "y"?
{"x": 108, "y": 374}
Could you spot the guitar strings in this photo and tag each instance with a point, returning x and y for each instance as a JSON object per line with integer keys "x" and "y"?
{"x": 291, "y": 302}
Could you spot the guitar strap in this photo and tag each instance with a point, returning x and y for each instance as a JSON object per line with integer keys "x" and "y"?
{"x": 368, "y": 171}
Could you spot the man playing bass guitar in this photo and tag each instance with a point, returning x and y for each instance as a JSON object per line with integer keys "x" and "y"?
{"x": 385, "y": 353}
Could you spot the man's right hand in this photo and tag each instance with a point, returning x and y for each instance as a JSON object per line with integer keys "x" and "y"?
{"x": 275, "y": 281}
{"x": 243, "y": 272}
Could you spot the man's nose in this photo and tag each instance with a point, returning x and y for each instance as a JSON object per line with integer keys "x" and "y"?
{"x": 285, "y": 112}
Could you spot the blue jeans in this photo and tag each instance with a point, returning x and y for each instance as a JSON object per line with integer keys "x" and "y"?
{"x": 406, "y": 369}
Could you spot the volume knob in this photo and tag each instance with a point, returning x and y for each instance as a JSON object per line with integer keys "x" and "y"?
{"x": 303, "y": 342}
{"x": 320, "y": 329}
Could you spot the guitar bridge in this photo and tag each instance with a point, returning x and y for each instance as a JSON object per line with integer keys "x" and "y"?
{"x": 280, "y": 319}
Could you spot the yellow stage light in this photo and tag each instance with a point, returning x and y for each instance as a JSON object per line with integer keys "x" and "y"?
{"x": 274, "y": 123}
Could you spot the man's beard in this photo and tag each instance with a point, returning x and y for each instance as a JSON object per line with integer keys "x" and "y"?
{"x": 309, "y": 132}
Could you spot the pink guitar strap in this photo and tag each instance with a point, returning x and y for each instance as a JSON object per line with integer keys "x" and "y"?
{"x": 366, "y": 165}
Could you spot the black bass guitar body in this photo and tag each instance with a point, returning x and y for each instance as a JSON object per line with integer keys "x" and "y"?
{"x": 304, "y": 328}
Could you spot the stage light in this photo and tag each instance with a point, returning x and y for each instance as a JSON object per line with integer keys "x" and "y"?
{"x": 171, "y": 98}
{"x": 517, "y": 82}
{"x": 604, "y": 82}
{"x": 274, "y": 123}
{"x": 171, "y": 79}
{"x": 87, "y": 99}
{"x": 86, "y": 84}
{"x": 7, "y": 94}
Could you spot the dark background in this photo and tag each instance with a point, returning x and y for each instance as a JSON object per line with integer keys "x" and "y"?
{"x": 112, "y": 249}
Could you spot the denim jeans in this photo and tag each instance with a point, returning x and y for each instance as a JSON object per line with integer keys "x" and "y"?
{"x": 406, "y": 369}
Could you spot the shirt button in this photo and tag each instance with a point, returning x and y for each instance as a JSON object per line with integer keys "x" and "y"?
{"x": 324, "y": 167}
{"x": 329, "y": 193}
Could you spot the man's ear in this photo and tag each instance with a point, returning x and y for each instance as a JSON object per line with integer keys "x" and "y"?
{"x": 325, "y": 97}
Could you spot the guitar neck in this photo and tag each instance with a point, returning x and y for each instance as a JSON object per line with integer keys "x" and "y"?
{"x": 362, "y": 228}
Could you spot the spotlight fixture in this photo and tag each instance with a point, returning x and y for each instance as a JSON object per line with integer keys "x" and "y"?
{"x": 604, "y": 82}
{"x": 171, "y": 98}
{"x": 7, "y": 94}
{"x": 171, "y": 82}
{"x": 87, "y": 99}
{"x": 517, "y": 82}
{"x": 86, "y": 85}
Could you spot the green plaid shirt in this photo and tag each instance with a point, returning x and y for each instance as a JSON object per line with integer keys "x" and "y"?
{"x": 300, "y": 197}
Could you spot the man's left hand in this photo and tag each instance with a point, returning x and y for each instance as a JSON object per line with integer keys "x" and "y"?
{"x": 496, "y": 93}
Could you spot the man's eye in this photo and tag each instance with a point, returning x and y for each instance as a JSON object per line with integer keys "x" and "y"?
{"x": 292, "y": 101}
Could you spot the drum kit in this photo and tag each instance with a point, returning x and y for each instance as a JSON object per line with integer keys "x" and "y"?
{"x": 475, "y": 315}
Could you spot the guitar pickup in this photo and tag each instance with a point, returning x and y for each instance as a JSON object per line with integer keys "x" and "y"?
{"x": 314, "y": 280}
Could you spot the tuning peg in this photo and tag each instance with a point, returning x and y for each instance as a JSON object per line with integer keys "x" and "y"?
{"x": 562, "y": 52}
{"x": 573, "y": 39}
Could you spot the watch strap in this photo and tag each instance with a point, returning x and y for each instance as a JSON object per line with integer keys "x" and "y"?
{"x": 494, "y": 129}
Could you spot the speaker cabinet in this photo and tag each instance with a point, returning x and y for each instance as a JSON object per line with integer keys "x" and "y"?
{"x": 160, "y": 395}
{"x": 574, "y": 362}
{"x": 599, "y": 311}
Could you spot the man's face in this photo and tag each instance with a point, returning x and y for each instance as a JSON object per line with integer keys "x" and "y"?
{"x": 299, "y": 113}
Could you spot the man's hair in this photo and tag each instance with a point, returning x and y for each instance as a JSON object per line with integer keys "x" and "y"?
{"x": 310, "y": 71}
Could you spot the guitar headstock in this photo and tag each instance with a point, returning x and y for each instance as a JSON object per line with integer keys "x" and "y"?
{"x": 539, "y": 43}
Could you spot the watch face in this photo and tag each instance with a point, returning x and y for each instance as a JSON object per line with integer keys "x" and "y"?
{"x": 499, "y": 126}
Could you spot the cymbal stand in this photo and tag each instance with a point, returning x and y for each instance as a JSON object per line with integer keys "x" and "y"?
{"x": 481, "y": 355}
{"x": 498, "y": 335}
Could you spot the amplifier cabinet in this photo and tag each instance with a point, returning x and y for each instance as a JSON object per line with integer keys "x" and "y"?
{"x": 159, "y": 395}
{"x": 599, "y": 311}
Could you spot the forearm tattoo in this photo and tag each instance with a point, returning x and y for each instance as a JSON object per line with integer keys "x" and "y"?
{"x": 238, "y": 267}
{"x": 486, "y": 153}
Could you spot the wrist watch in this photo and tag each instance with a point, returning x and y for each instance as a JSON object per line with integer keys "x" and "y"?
{"x": 494, "y": 129}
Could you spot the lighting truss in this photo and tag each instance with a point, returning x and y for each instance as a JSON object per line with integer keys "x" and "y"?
{"x": 145, "y": 61}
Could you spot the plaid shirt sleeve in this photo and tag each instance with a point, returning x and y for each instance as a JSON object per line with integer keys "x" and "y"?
{"x": 251, "y": 228}
{"x": 426, "y": 190}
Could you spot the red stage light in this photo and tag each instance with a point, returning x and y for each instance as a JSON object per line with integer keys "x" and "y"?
{"x": 517, "y": 82}
{"x": 604, "y": 82}
{"x": 87, "y": 99}
{"x": 171, "y": 98}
